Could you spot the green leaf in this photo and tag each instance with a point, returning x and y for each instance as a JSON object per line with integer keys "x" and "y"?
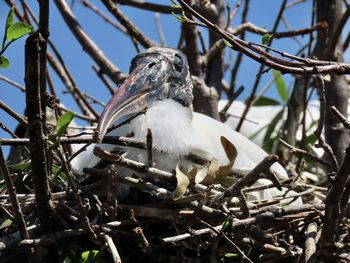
{"x": 89, "y": 256}
{"x": 20, "y": 167}
{"x": 4, "y": 62}
{"x": 280, "y": 85}
{"x": 266, "y": 39}
{"x": 228, "y": 43}
{"x": 5, "y": 224}
{"x": 311, "y": 139}
{"x": 270, "y": 129}
{"x": 265, "y": 101}
{"x": 18, "y": 30}
{"x": 173, "y": 6}
{"x": 9, "y": 20}
{"x": 56, "y": 169}
{"x": 61, "y": 126}
{"x": 63, "y": 123}
{"x": 226, "y": 224}
{"x": 230, "y": 255}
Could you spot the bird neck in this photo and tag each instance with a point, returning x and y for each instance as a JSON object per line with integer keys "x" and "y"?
{"x": 170, "y": 123}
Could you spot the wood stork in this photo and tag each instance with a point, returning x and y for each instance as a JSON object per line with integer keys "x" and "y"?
{"x": 159, "y": 84}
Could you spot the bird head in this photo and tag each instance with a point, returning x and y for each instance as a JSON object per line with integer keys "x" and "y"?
{"x": 156, "y": 74}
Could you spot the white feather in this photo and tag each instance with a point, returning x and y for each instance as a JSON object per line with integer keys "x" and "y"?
{"x": 176, "y": 133}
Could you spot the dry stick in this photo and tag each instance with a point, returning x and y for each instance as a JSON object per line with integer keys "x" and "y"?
{"x": 346, "y": 191}
{"x": 221, "y": 233}
{"x": 248, "y": 26}
{"x": 130, "y": 27}
{"x": 346, "y": 43}
{"x": 285, "y": 66}
{"x": 136, "y": 166}
{"x": 111, "y": 192}
{"x": 13, "y": 196}
{"x": 261, "y": 69}
{"x": 12, "y": 83}
{"x": 13, "y": 114}
{"x": 141, "y": 239}
{"x": 4, "y": 127}
{"x": 305, "y": 153}
{"x": 88, "y": 45}
{"x": 113, "y": 248}
{"x": 149, "y": 141}
{"x": 47, "y": 239}
{"x": 285, "y": 21}
{"x": 295, "y": 2}
{"x": 159, "y": 30}
{"x": 164, "y": 9}
{"x": 318, "y": 133}
{"x": 310, "y": 241}
{"x": 63, "y": 73}
{"x": 341, "y": 117}
{"x": 36, "y": 129}
{"x": 337, "y": 32}
{"x": 138, "y": 183}
{"x": 104, "y": 80}
{"x": 87, "y": 4}
{"x": 116, "y": 140}
{"x": 262, "y": 168}
{"x": 82, "y": 211}
{"x": 261, "y": 216}
{"x": 332, "y": 217}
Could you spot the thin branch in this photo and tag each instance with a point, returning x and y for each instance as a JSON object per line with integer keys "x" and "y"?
{"x": 130, "y": 27}
{"x": 88, "y": 45}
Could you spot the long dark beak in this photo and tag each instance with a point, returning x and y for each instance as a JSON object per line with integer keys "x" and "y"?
{"x": 130, "y": 98}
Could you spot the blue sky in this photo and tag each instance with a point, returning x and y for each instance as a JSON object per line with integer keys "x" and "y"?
{"x": 120, "y": 50}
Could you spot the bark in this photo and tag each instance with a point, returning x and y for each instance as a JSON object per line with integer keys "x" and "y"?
{"x": 39, "y": 173}
{"x": 291, "y": 125}
{"x": 336, "y": 89}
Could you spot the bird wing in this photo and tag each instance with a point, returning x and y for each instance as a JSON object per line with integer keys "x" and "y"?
{"x": 87, "y": 159}
{"x": 249, "y": 154}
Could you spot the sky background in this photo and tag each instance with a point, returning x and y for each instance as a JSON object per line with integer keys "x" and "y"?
{"x": 120, "y": 51}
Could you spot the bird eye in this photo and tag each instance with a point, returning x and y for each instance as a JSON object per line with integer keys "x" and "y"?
{"x": 150, "y": 65}
{"x": 178, "y": 63}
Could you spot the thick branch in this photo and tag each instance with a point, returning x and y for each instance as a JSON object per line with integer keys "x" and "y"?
{"x": 38, "y": 153}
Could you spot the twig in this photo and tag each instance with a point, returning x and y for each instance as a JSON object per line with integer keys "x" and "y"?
{"x": 159, "y": 29}
{"x": 88, "y": 45}
{"x": 141, "y": 239}
{"x": 221, "y": 233}
{"x": 130, "y": 27}
{"x": 305, "y": 153}
{"x": 262, "y": 168}
{"x": 318, "y": 133}
{"x": 341, "y": 117}
{"x": 113, "y": 248}
{"x": 165, "y": 9}
{"x": 3, "y": 78}
{"x": 310, "y": 241}
{"x": 128, "y": 163}
{"x": 13, "y": 114}
{"x": 13, "y": 196}
{"x": 149, "y": 140}
{"x": 332, "y": 218}
{"x": 87, "y": 4}
{"x": 104, "y": 80}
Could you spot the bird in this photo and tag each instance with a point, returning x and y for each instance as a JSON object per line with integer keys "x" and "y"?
{"x": 260, "y": 117}
{"x": 159, "y": 85}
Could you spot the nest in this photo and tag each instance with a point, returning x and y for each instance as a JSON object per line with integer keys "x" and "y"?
{"x": 88, "y": 220}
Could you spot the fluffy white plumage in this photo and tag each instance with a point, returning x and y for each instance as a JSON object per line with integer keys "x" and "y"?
{"x": 176, "y": 133}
